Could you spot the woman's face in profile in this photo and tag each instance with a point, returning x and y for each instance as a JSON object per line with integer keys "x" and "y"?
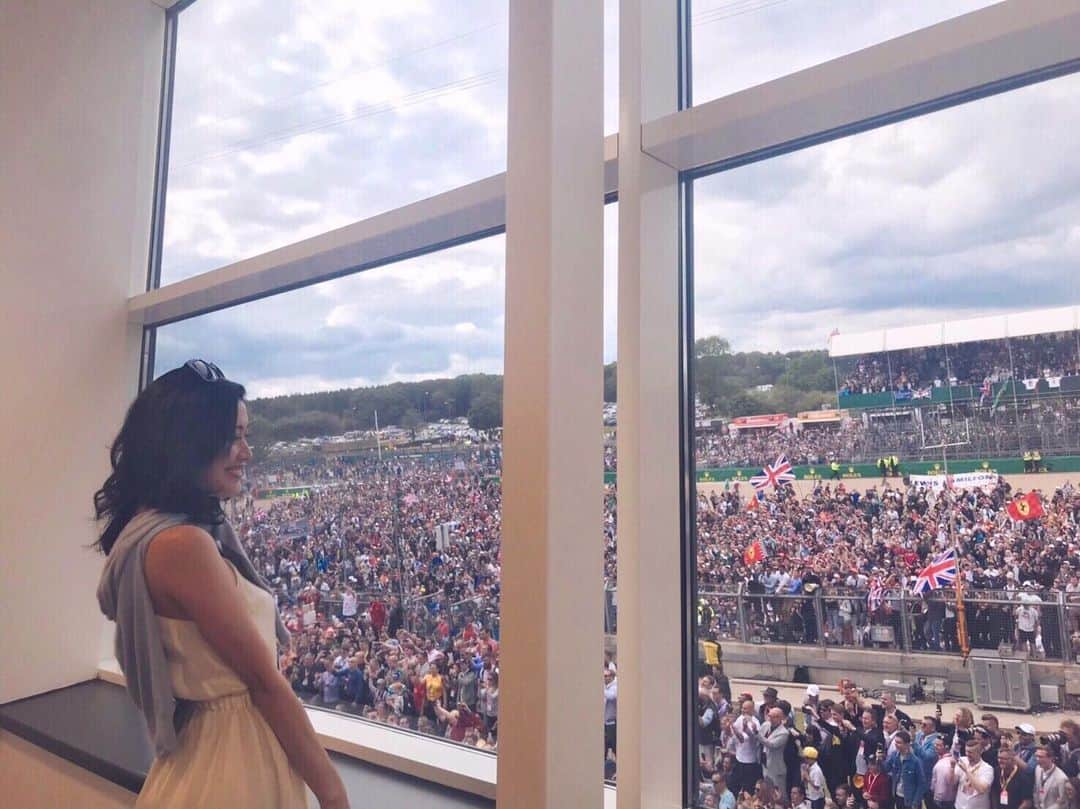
{"x": 225, "y": 475}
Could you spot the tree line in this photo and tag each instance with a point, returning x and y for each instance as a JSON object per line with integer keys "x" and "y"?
{"x": 725, "y": 381}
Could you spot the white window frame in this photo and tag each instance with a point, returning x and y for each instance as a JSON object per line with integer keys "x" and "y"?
{"x": 987, "y": 51}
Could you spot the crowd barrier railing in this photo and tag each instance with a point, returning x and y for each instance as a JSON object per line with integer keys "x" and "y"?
{"x": 1044, "y": 625}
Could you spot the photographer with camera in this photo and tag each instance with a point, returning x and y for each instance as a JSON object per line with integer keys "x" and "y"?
{"x": 1069, "y": 743}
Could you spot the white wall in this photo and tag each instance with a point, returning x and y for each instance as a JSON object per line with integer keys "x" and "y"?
{"x": 79, "y": 87}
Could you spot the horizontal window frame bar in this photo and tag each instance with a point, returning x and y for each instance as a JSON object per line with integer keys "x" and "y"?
{"x": 464, "y": 214}
{"x": 988, "y": 51}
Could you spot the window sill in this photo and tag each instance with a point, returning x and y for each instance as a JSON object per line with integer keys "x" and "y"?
{"x": 441, "y": 762}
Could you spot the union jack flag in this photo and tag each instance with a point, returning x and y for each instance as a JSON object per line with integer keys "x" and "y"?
{"x": 939, "y": 573}
{"x": 775, "y": 474}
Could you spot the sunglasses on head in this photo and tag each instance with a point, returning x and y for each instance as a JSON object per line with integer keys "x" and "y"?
{"x": 207, "y": 371}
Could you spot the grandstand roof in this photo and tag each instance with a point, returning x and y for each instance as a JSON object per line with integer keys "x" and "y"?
{"x": 1017, "y": 324}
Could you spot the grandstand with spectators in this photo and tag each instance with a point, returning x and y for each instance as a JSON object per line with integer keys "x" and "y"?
{"x": 987, "y": 388}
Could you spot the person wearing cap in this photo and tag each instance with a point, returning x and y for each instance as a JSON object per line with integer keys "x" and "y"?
{"x": 986, "y": 738}
{"x": 1025, "y": 746}
{"x": 813, "y": 779}
{"x": 770, "y": 694}
{"x": 906, "y": 772}
{"x": 812, "y": 701}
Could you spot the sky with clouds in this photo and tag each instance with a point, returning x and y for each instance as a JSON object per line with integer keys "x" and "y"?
{"x": 294, "y": 118}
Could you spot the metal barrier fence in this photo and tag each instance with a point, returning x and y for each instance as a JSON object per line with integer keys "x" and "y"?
{"x": 1044, "y": 624}
{"x": 1071, "y": 631}
{"x": 422, "y": 613}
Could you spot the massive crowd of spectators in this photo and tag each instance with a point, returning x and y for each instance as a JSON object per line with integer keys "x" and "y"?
{"x": 387, "y": 575}
{"x": 840, "y": 545}
{"x": 1038, "y": 356}
{"x": 1051, "y": 425}
{"x": 812, "y": 445}
{"x": 851, "y": 753}
{"x": 388, "y": 578}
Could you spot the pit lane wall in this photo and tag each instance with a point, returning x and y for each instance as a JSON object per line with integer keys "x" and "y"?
{"x": 870, "y": 668}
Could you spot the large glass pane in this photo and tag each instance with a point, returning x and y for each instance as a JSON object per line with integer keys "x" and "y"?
{"x": 293, "y": 119}
{"x": 743, "y": 43}
{"x": 887, "y": 369}
{"x": 373, "y": 501}
{"x": 611, "y": 579}
{"x": 290, "y": 120}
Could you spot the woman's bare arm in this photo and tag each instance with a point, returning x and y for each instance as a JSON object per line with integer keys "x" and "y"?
{"x": 183, "y": 567}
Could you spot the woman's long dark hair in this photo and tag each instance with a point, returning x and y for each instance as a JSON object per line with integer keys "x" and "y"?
{"x": 172, "y": 432}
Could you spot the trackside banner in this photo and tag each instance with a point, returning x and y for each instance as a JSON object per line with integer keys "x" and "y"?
{"x": 964, "y": 480}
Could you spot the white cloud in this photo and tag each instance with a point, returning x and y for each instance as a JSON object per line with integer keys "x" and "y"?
{"x": 293, "y": 120}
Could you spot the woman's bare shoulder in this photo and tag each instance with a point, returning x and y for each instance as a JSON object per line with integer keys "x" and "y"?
{"x": 175, "y": 558}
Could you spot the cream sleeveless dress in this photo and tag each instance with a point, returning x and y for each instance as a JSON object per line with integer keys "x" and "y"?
{"x": 227, "y": 756}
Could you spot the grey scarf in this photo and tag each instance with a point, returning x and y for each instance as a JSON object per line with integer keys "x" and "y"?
{"x": 125, "y": 599}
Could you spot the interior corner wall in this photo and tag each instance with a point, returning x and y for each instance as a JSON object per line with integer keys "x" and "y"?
{"x": 79, "y": 90}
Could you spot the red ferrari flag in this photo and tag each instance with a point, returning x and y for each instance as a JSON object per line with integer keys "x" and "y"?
{"x": 1028, "y": 507}
{"x": 753, "y": 554}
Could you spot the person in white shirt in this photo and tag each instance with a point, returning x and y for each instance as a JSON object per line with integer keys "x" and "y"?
{"x": 611, "y": 698}
{"x": 973, "y": 779}
{"x": 943, "y": 776}
{"x": 747, "y": 732}
{"x": 890, "y": 726}
{"x": 1027, "y": 625}
{"x": 813, "y": 778}
{"x": 348, "y": 604}
{"x": 1050, "y": 781}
